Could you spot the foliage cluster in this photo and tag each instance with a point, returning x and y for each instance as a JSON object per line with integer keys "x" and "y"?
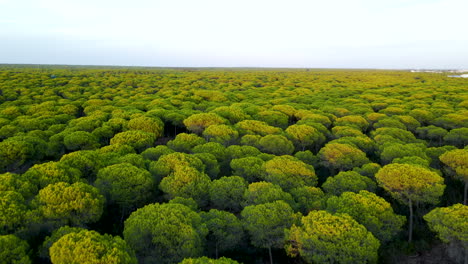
{"x": 148, "y": 165}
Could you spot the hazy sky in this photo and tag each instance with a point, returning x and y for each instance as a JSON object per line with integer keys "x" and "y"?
{"x": 255, "y": 33}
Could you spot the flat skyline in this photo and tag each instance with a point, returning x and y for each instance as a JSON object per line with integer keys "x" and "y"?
{"x": 398, "y": 34}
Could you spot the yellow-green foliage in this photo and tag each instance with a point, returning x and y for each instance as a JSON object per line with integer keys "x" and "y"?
{"x": 184, "y": 142}
{"x": 352, "y": 120}
{"x": 13, "y": 250}
{"x": 342, "y": 156}
{"x": 147, "y": 124}
{"x": 187, "y": 182}
{"x": 256, "y": 127}
{"x": 18, "y": 183}
{"x": 77, "y": 203}
{"x": 321, "y": 119}
{"x": 303, "y": 135}
{"x": 276, "y": 144}
{"x": 165, "y": 233}
{"x": 138, "y": 139}
{"x": 220, "y": 133}
{"x": 308, "y": 198}
{"x": 52, "y": 172}
{"x": 327, "y": 238}
{"x": 89, "y": 247}
{"x": 202, "y": 135}
{"x": 12, "y": 211}
{"x": 266, "y": 192}
{"x": 124, "y": 184}
{"x": 457, "y": 160}
{"x": 450, "y": 223}
{"x": 289, "y": 172}
{"x": 227, "y": 193}
{"x": 348, "y": 181}
{"x": 197, "y": 123}
{"x": 371, "y": 211}
{"x": 265, "y": 223}
{"x": 225, "y": 229}
{"x": 173, "y": 161}
{"x": 407, "y": 182}
{"x": 249, "y": 167}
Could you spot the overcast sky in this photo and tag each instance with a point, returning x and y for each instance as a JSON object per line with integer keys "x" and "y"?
{"x": 236, "y": 33}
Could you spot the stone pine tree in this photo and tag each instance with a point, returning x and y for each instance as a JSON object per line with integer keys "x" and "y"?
{"x": 336, "y": 156}
{"x": 369, "y": 210}
{"x": 304, "y": 136}
{"x": 450, "y": 224}
{"x": 165, "y": 233}
{"x": 197, "y": 123}
{"x": 411, "y": 184}
{"x": 327, "y": 238}
{"x": 13, "y": 250}
{"x": 91, "y": 247}
{"x": 125, "y": 185}
{"x": 225, "y": 230}
{"x": 457, "y": 160}
{"x": 265, "y": 223}
{"x": 75, "y": 204}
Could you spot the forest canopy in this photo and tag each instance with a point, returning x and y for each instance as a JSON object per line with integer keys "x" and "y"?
{"x": 153, "y": 165}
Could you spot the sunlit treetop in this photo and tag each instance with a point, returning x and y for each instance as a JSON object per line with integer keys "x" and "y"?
{"x": 91, "y": 247}
{"x": 411, "y": 182}
{"x": 197, "y": 123}
{"x": 327, "y": 238}
{"x": 289, "y": 172}
{"x": 342, "y": 156}
{"x": 449, "y": 223}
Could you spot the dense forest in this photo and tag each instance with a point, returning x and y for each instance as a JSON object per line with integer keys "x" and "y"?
{"x": 152, "y": 165}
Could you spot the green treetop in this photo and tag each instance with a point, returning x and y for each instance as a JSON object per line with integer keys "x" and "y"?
{"x": 327, "y": 238}
{"x": 457, "y": 160}
{"x": 165, "y": 233}
{"x": 410, "y": 184}
{"x": 289, "y": 172}
{"x": 13, "y": 250}
{"x": 76, "y": 204}
{"x": 225, "y": 230}
{"x": 371, "y": 211}
{"x": 91, "y": 247}
{"x": 265, "y": 223}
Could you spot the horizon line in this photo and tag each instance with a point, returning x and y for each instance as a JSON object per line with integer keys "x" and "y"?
{"x": 226, "y": 67}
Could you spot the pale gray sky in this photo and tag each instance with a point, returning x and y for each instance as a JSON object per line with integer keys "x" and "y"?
{"x": 220, "y": 33}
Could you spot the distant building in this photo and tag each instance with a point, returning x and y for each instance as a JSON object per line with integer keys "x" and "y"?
{"x": 459, "y": 76}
